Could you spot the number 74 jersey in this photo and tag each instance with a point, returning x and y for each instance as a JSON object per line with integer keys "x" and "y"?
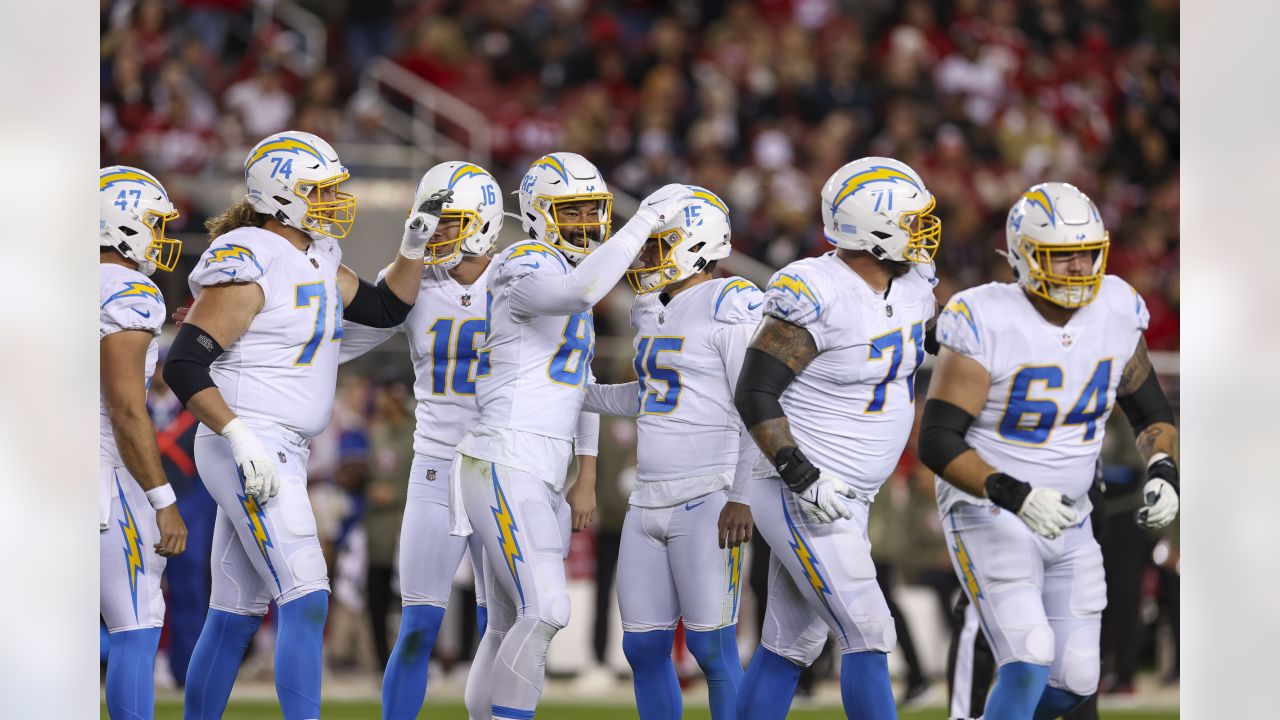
{"x": 1052, "y": 388}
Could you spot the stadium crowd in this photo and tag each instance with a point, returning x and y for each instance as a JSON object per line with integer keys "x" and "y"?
{"x": 758, "y": 101}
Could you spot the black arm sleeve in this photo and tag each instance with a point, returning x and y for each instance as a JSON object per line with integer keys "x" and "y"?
{"x": 376, "y": 306}
{"x": 1147, "y": 405}
{"x": 186, "y": 367}
{"x": 761, "y": 382}
{"x": 942, "y": 434}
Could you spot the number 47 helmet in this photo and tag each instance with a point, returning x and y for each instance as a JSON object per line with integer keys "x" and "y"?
{"x": 133, "y": 209}
{"x": 476, "y": 205}
{"x": 284, "y": 170}
{"x": 1053, "y": 220}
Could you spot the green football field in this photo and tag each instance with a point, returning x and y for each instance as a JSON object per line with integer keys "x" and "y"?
{"x": 552, "y": 711}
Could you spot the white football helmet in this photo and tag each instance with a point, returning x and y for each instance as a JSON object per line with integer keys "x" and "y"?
{"x": 1051, "y": 220}
{"x": 133, "y": 209}
{"x": 283, "y": 170}
{"x": 687, "y": 244}
{"x": 881, "y": 205}
{"x": 476, "y": 204}
{"x": 551, "y": 185}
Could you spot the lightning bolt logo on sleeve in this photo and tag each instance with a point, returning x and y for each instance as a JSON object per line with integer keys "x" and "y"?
{"x": 134, "y": 289}
{"x": 258, "y": 529}
{"x": 132, "y": 549}
{"x": 961, "y": 308}
{"x": 874, "y": 174}
{"x": 507, "y": 532}
{"x": 794, "y": 284}
{"x": 231, "y": 252}
{"x": 735, "y": 285}
{"x": 531, "y": 249}
{"x": 810, "y": 564}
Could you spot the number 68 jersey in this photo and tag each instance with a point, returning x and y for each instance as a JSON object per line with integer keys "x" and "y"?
{"x": 283, "y": 370}
{"x": 1052, "y": 388}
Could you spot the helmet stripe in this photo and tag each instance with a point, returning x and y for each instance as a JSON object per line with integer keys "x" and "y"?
{"x": 874, "y": 174}
{"x": 286, "y": 144}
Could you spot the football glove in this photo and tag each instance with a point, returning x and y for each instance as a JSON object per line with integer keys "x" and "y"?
{"x": 662, "y": 205}
{"x": 1160, "y": 494}
{"x": 260, "y": 479}
{"x": 1047, "y": 512}
{"x": 421, "y": 225}
{"x": 821, "y": 502}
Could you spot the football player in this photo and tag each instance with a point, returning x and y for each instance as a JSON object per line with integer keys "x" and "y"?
{"x": 138, "y": 511}
{"x": 1028, "y": 374}
{"x": 508, "y": 476}
{"x": 681, "y": 553}
{"x": 827, "y": 389}
{"x": 256, "y": 363}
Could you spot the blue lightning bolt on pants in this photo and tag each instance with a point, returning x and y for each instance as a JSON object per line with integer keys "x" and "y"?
{"x": 821, "y": 580}
{"x": 524, "y": 526}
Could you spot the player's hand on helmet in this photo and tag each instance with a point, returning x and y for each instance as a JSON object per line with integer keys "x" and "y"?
{"x": 173, "y": 531}
{"x": 260, "y": 479}
{"x": 1160, "y": 494}
{"x": 734, "y": 524}
{"x": 823, "y": 501}
{"x": 1047, "y": 512}
{"x": 421, "y": 224}
{"x": 663, "y": 204}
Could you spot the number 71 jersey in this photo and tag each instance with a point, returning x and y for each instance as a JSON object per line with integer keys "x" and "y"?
{"x": 852, "y": 408}
{"x": 1052, "y": 388}
{"x": 284, "y": 369}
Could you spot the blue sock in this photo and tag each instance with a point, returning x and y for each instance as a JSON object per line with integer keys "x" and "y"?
{"x": 1056, "y": 702}
{"x": 768, "y": 687}
{"x": 215, "y": 662}
{"x": 299, "y": 655}
{"x": 404, "y": 685}
{"x": 864, "y": 686}
{"x": 657, "y": 687}
{"x": 717, "y": 654}
{"x": 131, "y": 662}
{"x": 1017, "y": 691}
{"x": 482, "y": 620}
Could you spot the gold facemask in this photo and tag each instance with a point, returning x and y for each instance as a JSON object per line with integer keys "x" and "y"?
{"x": 332, "y": 218}
{"x": 1073, "y": 291}
{"x": 925, "y": 233}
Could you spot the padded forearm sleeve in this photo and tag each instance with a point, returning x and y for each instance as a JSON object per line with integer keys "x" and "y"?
{"x": 761, "y": 382}
{"x": 1147, "y": 405}
{"x": 186, "y": 368}
{"x": 942, "y": 432}
{"x": 376, "y": 306}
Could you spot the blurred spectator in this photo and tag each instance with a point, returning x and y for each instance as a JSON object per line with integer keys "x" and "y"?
{"x": 370, "y": 31}
{"x": 261, "y": 104}
{"x": 391, "y": 456}
{"x": 209, "y": 20}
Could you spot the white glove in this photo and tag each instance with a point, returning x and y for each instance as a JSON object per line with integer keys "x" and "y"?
{"x": 1047, "y": 512}
{"x": 661, "y": 206}
{"x": 260, "y": 479}
{"x": 1161, "y": 504}
{"x": 821, "y": 501}
{"x": 422, "y": 223}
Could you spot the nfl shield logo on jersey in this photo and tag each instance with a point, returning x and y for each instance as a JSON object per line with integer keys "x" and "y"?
{"x": 466, "y": 300}
{"x": 431, "y": 475}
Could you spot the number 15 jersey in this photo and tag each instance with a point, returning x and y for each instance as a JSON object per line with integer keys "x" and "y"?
{"x": 1052, "y": 388}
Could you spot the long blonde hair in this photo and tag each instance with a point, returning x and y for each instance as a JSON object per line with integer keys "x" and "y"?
{"x": 242, "y": 214}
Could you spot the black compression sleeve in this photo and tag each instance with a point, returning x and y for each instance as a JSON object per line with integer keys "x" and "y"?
{"x": 376, "y": 306}
{"x": 761, "y": 382}
{"x": 931, "y": 344}
{"x": 942, "y": 433}
{"x": 186, "y": 368}
{"x": 1147, "y": 405}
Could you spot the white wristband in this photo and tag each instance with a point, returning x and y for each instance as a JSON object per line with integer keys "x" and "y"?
{"x": 1156, "y": 458}
{"x": 161, "y": 497}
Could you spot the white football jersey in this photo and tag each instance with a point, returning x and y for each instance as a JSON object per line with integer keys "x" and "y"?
{"x": 852, "y": 408}
{"x": 1052, "y": 388}
{"x": 538, "y": 367}
{"x": 127, "y": 300}
{"x": 284, "y": 369}
{"x": 687, "y": 357}
{"x": 446, "y": 334}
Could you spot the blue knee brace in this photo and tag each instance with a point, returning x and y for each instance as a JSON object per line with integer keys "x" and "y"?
{"x": 654, "y": 674}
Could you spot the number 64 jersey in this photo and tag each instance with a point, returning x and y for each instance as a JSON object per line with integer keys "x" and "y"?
{"x": 1052, "y": 388}
{"x": 852, "y": 408}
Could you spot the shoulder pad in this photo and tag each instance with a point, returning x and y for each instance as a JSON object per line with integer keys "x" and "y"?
{"x": 958, "y": 327}
{"x": 238, "y": 256}
{"x": 792, "y": 295}
{"x": 1123, "y": 298}
{"x": 529, "y": 256}
{"x": 738, "y": 301}
{"x": 131, "y": 305}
